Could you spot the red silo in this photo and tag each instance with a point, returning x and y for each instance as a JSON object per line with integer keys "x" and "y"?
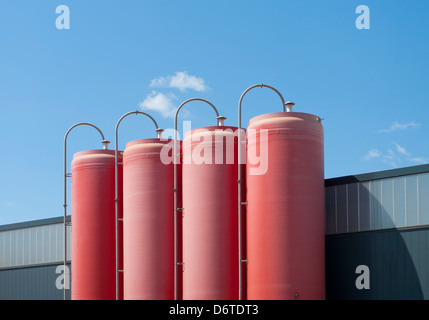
{"x": 93, "y": 225}
{"x": 148, "y": 220}
{"x": 210, "y": 214}
{"x": 285, "y": 213}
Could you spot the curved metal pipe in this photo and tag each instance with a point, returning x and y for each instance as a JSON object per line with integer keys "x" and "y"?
{"x": 240, "y": 259}
{"x": 220, "y": 122}
{"x": 158, "y": 131}
{"x": 65, "y": 194}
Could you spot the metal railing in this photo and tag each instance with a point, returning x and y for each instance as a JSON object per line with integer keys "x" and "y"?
{"x": 68, "y": 175}
{"x": 220, "y": 121}
{"x": 117, "y": 219}
{"x": 240, "y": 203}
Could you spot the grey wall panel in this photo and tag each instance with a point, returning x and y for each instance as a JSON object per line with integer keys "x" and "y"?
{"x": 375, "y": 204}
{"x": 341, "y": 206}
{"x": 352, "y": 207}
{"x": 394, "y": 202}
{"x": 387, "y": 204}
{"x": 397, "y": 261}
{"x": 330, "y": 215}
{"x": 411, "y": 200}
{"x": 364, "y": 209}
{"x": 424, "y": 198}
{"x": 30, "y": 283}
{"x": 40, "y": 244}
{"x": 399, "y": 202}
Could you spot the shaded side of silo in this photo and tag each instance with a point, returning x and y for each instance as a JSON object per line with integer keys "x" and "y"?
{"x": 148, "y": 220}
{"x": 285, "y": 213}
{"x": 210, "y": 214}
{"x": 93, "y": 241}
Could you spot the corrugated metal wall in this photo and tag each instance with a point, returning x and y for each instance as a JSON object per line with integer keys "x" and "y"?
{"x": 380, "y": 220}
{"x": 31, "y": 283}
{"x": 398, "y": 262}
{"x": 33, "y": 245}
{"x": 30, "y": 253}
{"x": 394, "y": 202}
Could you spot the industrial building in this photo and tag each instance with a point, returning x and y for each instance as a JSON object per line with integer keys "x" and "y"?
{"x": 379, "y": 219}
{"x": 229, "y": 213}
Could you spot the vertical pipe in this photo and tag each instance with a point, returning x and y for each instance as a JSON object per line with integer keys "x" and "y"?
{"x": 116, "y": 214}
{"x": 65, "y": 218}
{"x": 220, "y": 120}
{"x": 65, "y": 196}
{"x": 239, "y": 179}
{"x": 158, "y": 131}
{"x": 175, "y": 204}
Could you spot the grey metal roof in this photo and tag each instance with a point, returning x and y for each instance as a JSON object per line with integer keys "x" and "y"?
{"x": 34, "y": 223}
{"x": 377, "y": 175}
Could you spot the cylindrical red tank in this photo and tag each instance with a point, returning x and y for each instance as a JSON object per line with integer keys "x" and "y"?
{"x": 93, "y": 241}
{"x": 285, "y": 213}
{"x": 149, "y": 220}
{"x": 210, "y": 214}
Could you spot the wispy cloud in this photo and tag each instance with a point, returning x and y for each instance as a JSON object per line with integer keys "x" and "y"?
{"x": 400, "y": 126}
{"x": 161, "y": 103}
{"x": 182, "y": 81}
{"x": 373, "y": 153}
{"x": 394, "y": 156}
{"x": 166, "y": 103}
{"x": 401, "y": 149}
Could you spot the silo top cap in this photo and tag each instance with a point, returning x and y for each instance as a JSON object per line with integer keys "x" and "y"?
{"x": 289, "y": 105}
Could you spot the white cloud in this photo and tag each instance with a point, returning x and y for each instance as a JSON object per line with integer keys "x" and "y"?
{"x": 400, "y": 126}
{"x": 160, "y": 82}
{"x": 373, "y": 153}
{"x": 401, "y": 150}
{"x": 391, "y": 158}
{"x": 182, "y": 81}
{"x": 161, "y": 103}
{"x": 396, "y": 156}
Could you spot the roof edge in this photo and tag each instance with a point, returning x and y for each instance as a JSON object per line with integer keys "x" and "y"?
{"x": 33, "y": 223}
{"x": 391, "y": 173}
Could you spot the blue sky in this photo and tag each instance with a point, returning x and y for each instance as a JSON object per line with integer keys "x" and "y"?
{"x": 370, "y": 85}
